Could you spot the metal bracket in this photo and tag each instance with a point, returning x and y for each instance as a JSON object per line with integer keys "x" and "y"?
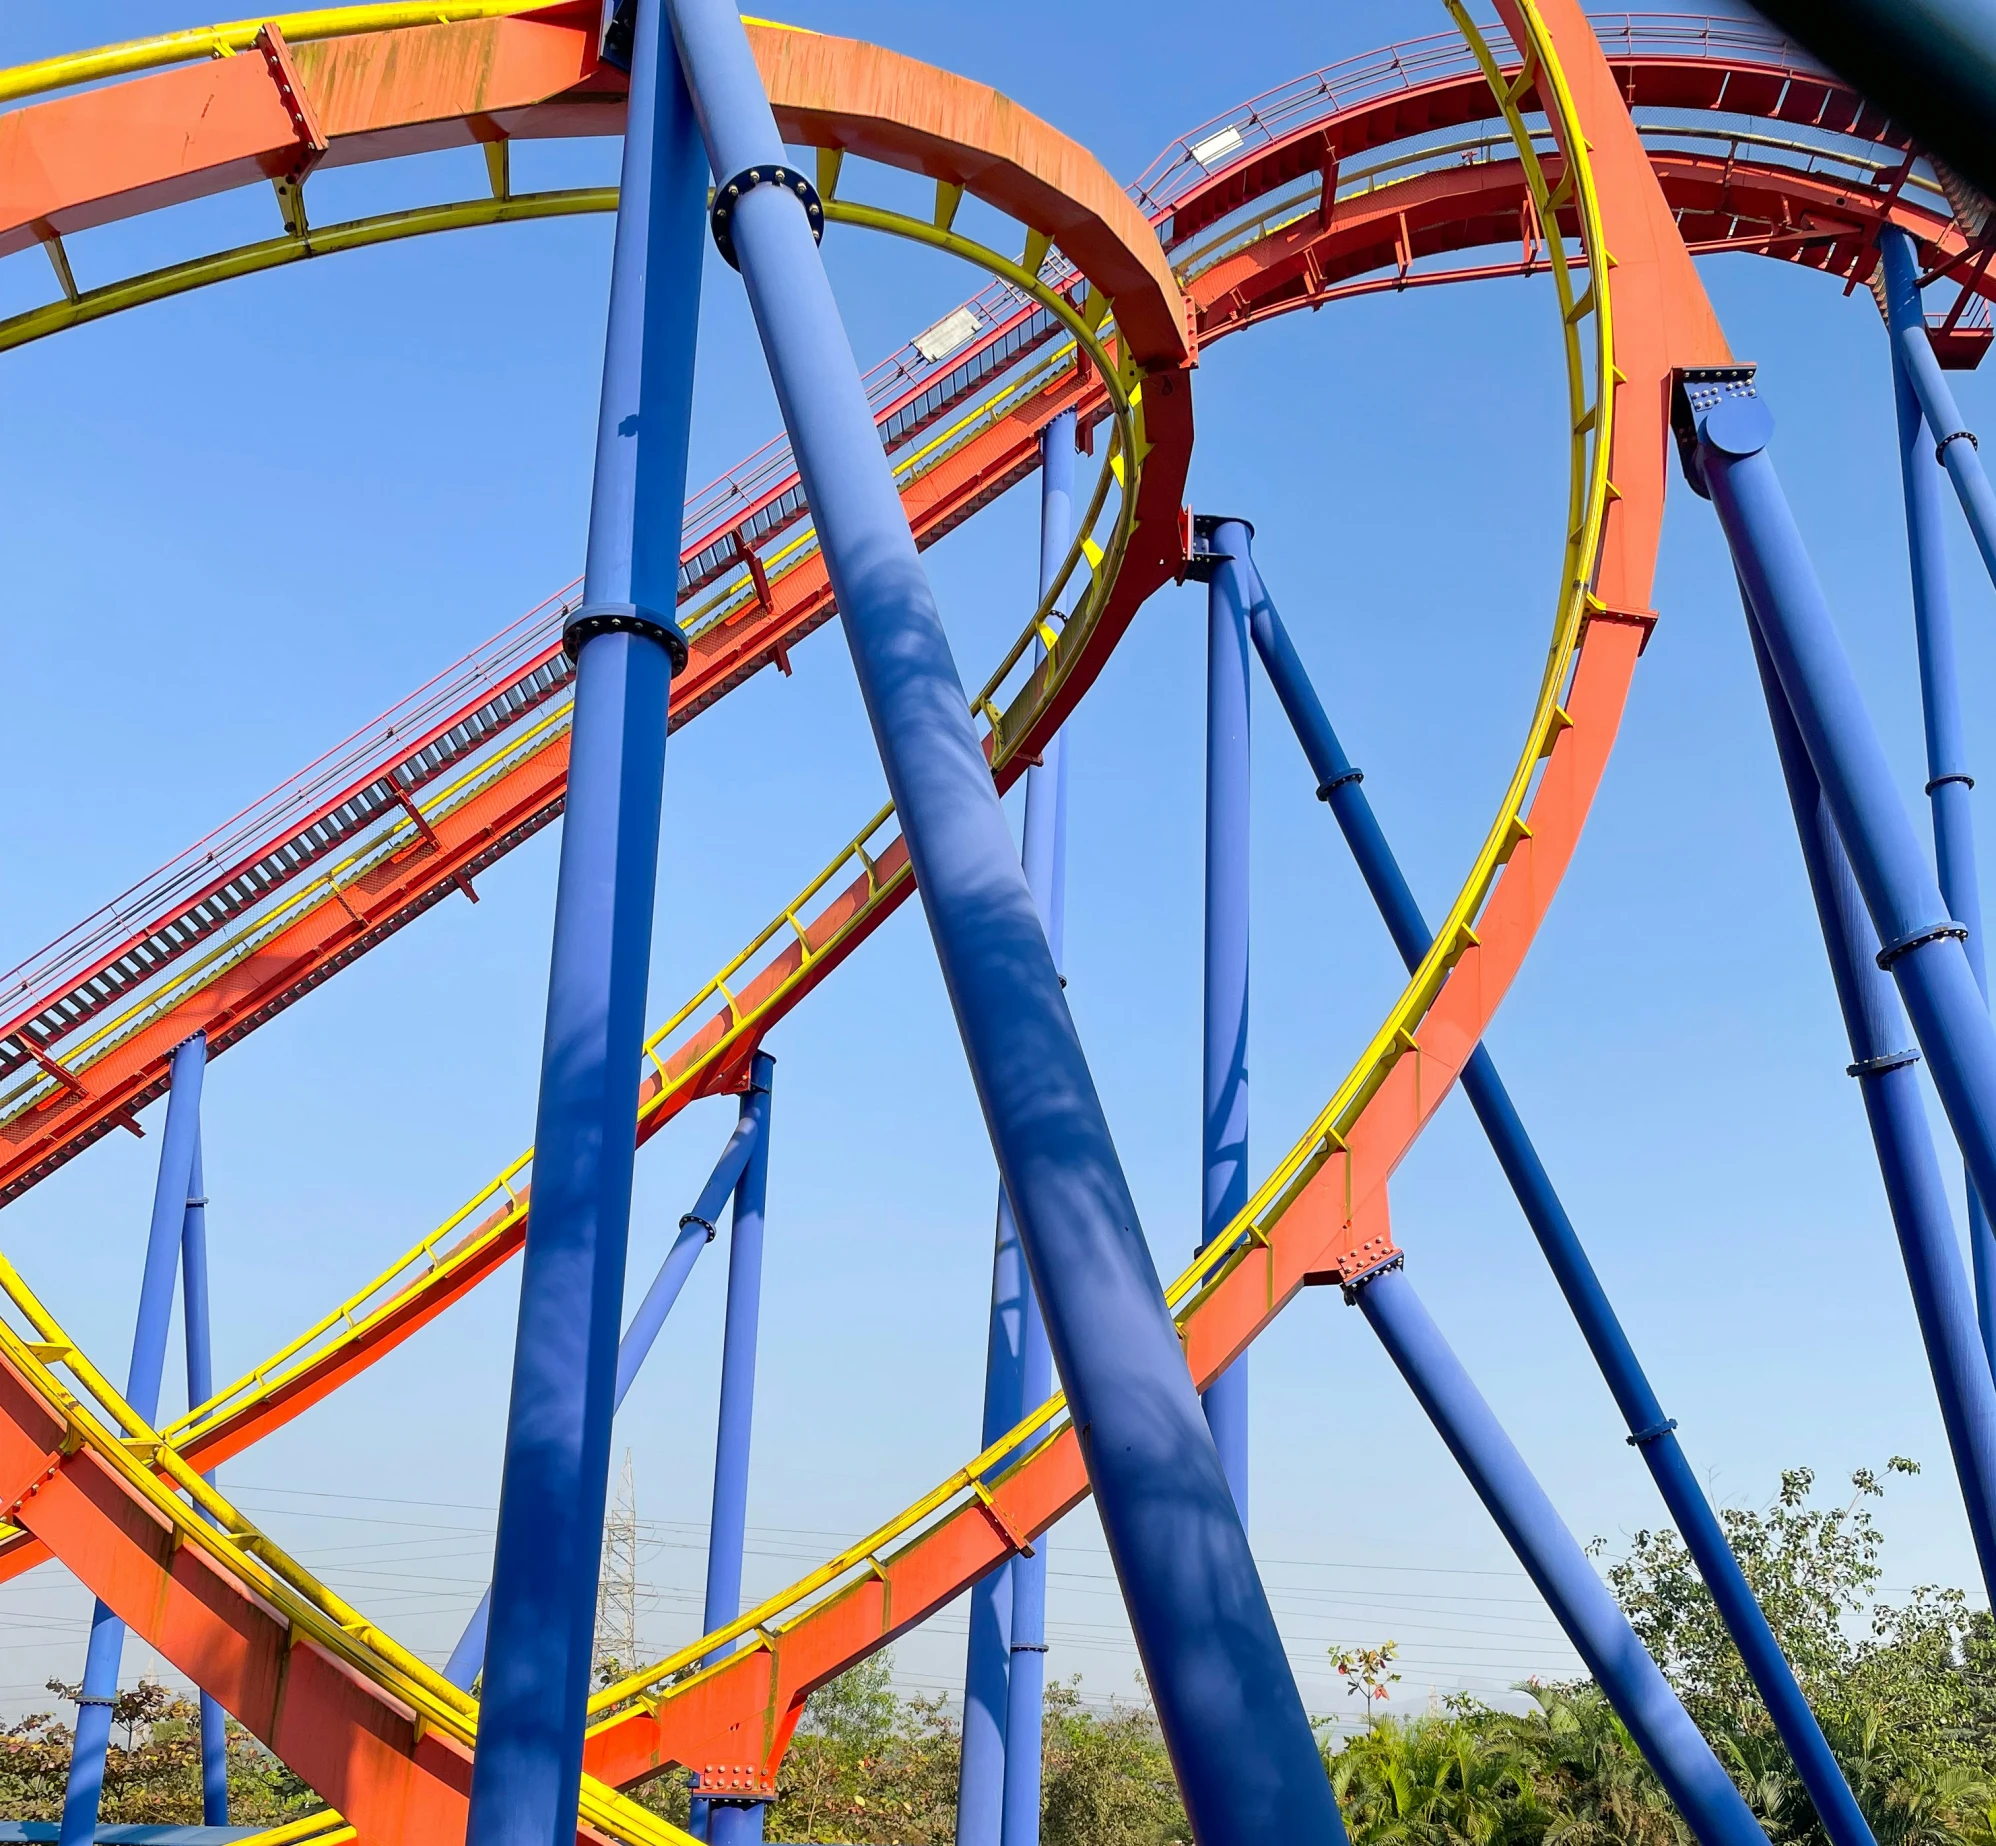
{"x": 1695, "y": 389}
{"x": 620, "y": 33}
{"x": 1655, "y": 1433}
{"x": 1352, "y": 1284}
{"x": 1325, "y": 790}
{"x": 1878, "y": 1066}
{"x": 731, "y": 193}
{"x": 594, "y": 619}
{"x": 1918, "y": 939}
{"x": 1201, "y": 560}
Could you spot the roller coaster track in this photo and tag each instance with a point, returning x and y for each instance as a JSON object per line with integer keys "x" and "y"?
{"x": 106, "y": 1494}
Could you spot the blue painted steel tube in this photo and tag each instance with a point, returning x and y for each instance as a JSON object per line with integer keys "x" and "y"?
{"x": 1591, "y": 1617}
{"x": 198, "y": 1328}
{"x": 733, "y": 1823}
{"x": 1227, "y": 1702}
{"x": 1896, "y": 1109}
{"x": 1044, "y": 855}
{"x": 696, "y": 1232}
{"x": 1948, "y": 780}
{"x": 171, "y": 1190}
{"x": 1921, "y": 944}
{"x": 1224, "y": 1098}
{"x": 1915, "y": 367}
{"x": 1651, "y": 1433}
{"x": 526, "y": 1776}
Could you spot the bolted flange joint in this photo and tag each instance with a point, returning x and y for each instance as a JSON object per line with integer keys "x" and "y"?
{"x": 1201, "y": 559}
{"x": 1918, "y": 939}
{"x": 594, "y": 619}
{"x": 730, "y": 193}
{"x": 1696, "y": 393}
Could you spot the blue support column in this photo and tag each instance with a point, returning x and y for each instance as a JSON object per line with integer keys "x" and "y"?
{"x": 738, "y": 1823}
{"x": 198, "y": 1328}
{"x": 1044, "y": 855}
{"x": 1651, "y": 1433}
{"x": 1948, "y": 780}
{"x": 171, "y": 1190}
{"x": 1913, "y": 360}
{"x": 696, "y": 1232}
{"x": 1226, "y": 1698}
{"x": 1724, "y": 429}
{"x": 526, "y": 1776}
{"x": 1592, "y": 1619}
{"x": 1017, "y": 1335}
{"x": 1897, "y": 1112}
{"x": 1224, "y": 1098}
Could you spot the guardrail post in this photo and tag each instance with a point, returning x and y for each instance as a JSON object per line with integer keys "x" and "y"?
{"x": 1897, "y": 1112}
{"x": 1593, "y": 1620}
{"x": 1224, "y": 1114}
{"x": 197, "y": 1326}
{"x": 527, "y": 1772}
{"x": 171, "y": 1191}
{"x": 1226, "y": 1698}
{"x": 738, "y": 1823}
{"x": 1651, "y": 1433}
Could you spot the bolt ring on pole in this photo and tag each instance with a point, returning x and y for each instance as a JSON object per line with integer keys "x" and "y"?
{"x": 1960, "y": 435}
{"x": 726, "y": 197}
{"x": 1878, "y": 1066}
{"x": 605, "y": 618}
{"x": 1918, "y": 939}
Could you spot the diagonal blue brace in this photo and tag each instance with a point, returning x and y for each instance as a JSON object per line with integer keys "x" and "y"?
{"x": 1897, "y": 1111}
{"x": 696, "y": 1232}
{"x": 178, "y": 1142}
{"x": 1651, "y": 1433}
{"x": 1593, "y": 1620}
{"x": 527, "y": 1771}
{"x": 1723, "y": 429}
{"x": 1227, "y": 1701}
{"x": 1948, "y": 780}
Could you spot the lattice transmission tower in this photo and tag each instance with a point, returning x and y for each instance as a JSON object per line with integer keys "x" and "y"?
{"x": 616, "y": 1649}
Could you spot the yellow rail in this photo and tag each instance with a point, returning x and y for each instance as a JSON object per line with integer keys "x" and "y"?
{"x": 435, "y": 1261}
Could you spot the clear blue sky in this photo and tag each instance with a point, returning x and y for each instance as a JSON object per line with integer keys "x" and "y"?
{"x": 234, "y": 526}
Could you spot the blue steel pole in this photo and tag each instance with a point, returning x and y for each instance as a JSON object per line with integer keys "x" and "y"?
{"x": 1948, "y": 780}
{"x": 696, "y": 1232}
{"x": 1897, "y": 1112}
{"x": 738, "y": 1823}
{"x": 984, "y": 1773}
{"x": 1922, "y": 943}
{"x": 1044, "y": 855}
{"x": 527, "y": 1773}
{"x": 1224, "y": 1100}
{"x": 171, "y": 1191}
{"x": 1651, "y": 1433}
{"x": 198, "y": 1329}
{"x": 1954, "y": 443}
{"x": 1592, "y": 1619}
{"x": 1227, "y": 1701}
